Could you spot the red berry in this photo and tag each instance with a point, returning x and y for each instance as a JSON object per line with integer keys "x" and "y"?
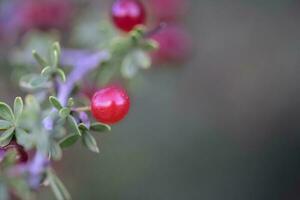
{"x": 174, "y": 44}
{"x": 126, "y": 14}
{"x": 110, "y": 105}
{"x": 22, "y": 155}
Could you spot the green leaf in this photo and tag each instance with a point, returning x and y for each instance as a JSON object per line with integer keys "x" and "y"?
{"x": 39, "y": 59}
{"x": 62, "y": 74}
{"x": 55, "y": 103}
{"x": 6, "y": 112}
{"x": 57, "y": 48}
{"x": 64, "y": 112}
{"x": 68, "y": 141}
{"x": 32, "y": 103}
{"x": 5, "y": 124}
{"x": 55, "y": 58}
{"x": 58, "y": 188}
{"x": 47, "y": 71}
{"x": 6, "y": 136}
{"x": 99, "y": 127}
{"x": 150, "y": 45}
{"x": 90, "y": 142}
{"x": 34, "y": 81}
{"x": 24, "y": 139}
{"x": 56, "y": 54}
{"x": 73, "y": 125}
{"x": 82, "y": 127}
{"x": 70, "y": 102}
{"x": 55, "y": 151}
{"x": 129, "y": 68}
{"x": 142, "y": 59}
{"x": 18, "y": 107}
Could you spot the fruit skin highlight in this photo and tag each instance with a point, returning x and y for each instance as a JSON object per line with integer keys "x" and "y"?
{"x": 126, "y": 14}
{"x": 110, "y": 105}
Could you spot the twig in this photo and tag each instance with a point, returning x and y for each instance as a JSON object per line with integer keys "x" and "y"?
{"x": 83, "y": 62}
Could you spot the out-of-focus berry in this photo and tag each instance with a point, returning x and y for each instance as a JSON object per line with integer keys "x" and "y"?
{"x": 44, "y": 14}
{"x": 174, "y": 44}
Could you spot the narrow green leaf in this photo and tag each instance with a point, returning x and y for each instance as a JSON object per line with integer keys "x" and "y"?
{"x": 73, "y": 125}
{"x": 32, "y": 103}
{"x": 58, "y": 188}
{"x": 23, "y": 138}
{"x": 39, "y": 59}
{"x": 150, "y": 45}
{"x": 57, "y": 48}
{"x": 55, "y": 151}
{"x": 82, "y": 127}
{"x": 70, "y": 102}
{"x": 6, "y": 112}
{"x": 62, "y": 74}
{"x": 142, "y": 59}
{"x": 55, "y": 58}
{"x": 64, "y": 112}
{"x": 18, "y": 107}
{"x": 99, "y": 127}
{"x": 6, "y": 136}
{"x": 90, "y": 142}
{"x": 56, "y": 54}
{"x": 5, "y": 124}
{"x": 34, "y": 81}
{"x": 38, "y": 81}
{"x": 68, "y": 141}
{"x": 47, "y": 71}
{"x": 55, "y": 103}
{"x": 129, "y": 68}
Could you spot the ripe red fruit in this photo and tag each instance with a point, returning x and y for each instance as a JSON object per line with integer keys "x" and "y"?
{"x": 110, "y": 105}
{"x": 22, "y": 156}
{"x": 126, "y": 14}
{"x": 174, "y": 44}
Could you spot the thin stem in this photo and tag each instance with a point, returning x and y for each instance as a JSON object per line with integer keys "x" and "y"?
{"x": 82, "y": 109}
{"x": 157, "y": 29}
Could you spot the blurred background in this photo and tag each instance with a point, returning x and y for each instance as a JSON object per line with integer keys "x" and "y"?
{"x": 217, "y": 117}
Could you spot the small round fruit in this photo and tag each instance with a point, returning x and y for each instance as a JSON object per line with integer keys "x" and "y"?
{"x": 174, "y": 45}
{"x": 110, "y": 105}
{"x": 22, "y": 156}
{"x": 127, "y": 14}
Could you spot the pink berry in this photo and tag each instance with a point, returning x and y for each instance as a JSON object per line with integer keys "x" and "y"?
{"x": 174, "y": 44}
{"x": 127, "y": 14}
{"x": 110, "y": 105}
